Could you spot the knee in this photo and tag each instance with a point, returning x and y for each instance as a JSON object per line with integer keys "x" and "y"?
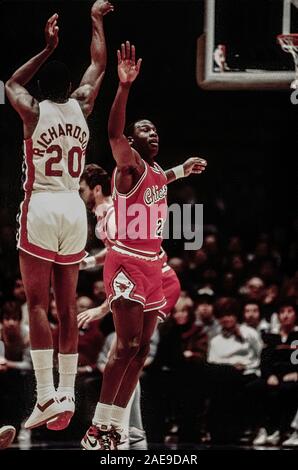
{"x": 36, "y": 307}
{"x": 128, "y": 349}
{"x": 143, "y": 352}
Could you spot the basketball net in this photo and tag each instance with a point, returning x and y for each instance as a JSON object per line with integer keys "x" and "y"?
{"x": 289, "y": 43}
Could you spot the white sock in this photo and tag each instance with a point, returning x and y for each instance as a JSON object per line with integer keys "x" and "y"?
{"x": 120, "y": 417}
{"x": 43, "y": 367}
{"x": 68, "y": 366}
{"x": 102, "y": 415}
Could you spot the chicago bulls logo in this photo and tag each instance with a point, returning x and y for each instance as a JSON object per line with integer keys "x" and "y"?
{"x": 122, "y": 285}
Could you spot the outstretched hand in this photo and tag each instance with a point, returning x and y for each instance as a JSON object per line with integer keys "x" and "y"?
{"x": 128, "y": 69}
{"x": 194, "y": 165}
{"x": 51, "y": 32}
{"x": 101, "y": 8}
{"x": 87, "y": 317}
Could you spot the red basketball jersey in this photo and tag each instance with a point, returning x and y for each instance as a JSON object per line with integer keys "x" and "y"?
{"x": 141, "y": 213}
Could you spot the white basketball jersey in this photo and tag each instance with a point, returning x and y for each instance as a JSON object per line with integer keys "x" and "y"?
{"x": 55, "y": 154}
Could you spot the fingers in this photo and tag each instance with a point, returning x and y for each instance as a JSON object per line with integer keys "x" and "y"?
{"x": 53, "y": 18}
{"x": 128, "y": 54}
{"x": 123, "y": 56}
{"x": 133, "y": 54}
{"x": 138, "y": 66}
{"x": 199, "y": 161}
{"x": 127, "y": 44}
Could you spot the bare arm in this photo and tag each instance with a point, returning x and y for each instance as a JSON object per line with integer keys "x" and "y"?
{"x": 90, "y": 84}
{"x": 19, "y": 97}
{"x": 191, "y": 166}
{"x": 128, "y": 71}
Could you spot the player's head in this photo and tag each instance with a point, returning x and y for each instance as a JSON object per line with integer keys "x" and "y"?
{"x": 54, "y": 81}
{"x": 95, "y": 185}
{"x": 142, "y": 136}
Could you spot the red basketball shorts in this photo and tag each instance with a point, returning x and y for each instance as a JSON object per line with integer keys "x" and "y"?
{"x": 134, "y": 279}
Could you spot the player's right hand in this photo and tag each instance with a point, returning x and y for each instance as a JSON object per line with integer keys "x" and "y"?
{"x": 51, "y": 32}
{"x": 128, "y": 69}
{"x": 85, "y": 318}
{"x": 101, "y": 8}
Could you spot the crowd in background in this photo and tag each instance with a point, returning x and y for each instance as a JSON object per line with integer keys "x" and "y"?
{"x": 223, "y": 367}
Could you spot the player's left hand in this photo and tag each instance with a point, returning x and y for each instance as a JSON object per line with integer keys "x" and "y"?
{"x": 128, "y": 67}
{"x": 194, "y": 165}
{"x": 51, "y": 32}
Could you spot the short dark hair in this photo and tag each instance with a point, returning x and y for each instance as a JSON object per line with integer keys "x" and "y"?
{"x": 226, "y": 306}
{"x": 93, "y": 175}
{"x": 252, "y": 302}
{"x": 288, "y": 302}
{"x": 130, "y": 128}
{"x": 54, "y": 81}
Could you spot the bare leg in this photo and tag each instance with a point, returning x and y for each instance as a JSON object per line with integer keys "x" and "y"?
{"x": 128, "y": 320}
{"x": 65, "y": 284}
{"x": 132, "y": 374}
{"x": 65, "y": 280}
{"x": 36, "y": 275}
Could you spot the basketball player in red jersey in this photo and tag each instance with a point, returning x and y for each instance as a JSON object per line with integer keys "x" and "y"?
{"x": 133, "y": 267}
{"x": 53, "y": 224}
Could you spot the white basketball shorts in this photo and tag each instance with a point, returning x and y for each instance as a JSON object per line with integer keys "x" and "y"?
{"x": 53, "y": 226}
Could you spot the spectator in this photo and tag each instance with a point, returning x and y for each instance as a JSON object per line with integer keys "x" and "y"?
{"x": 252, "y": 317}
{"x": 281, "y": 376}
{"x": 15, "y": 362}
{"x": 204, "y": 313}
{"x": 234, "y": 356}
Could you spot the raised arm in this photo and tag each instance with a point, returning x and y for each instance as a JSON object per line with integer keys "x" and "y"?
{"x": 92, "y": 79}
{"x": 193, "y": 165}
{"x": 128, "y": 70}
{"x": 19, "y": 97}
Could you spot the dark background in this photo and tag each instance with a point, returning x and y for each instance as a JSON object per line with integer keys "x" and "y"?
{"x": 249, "y": 138}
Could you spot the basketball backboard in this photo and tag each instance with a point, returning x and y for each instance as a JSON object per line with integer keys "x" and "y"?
{"x": 239, "y": 50}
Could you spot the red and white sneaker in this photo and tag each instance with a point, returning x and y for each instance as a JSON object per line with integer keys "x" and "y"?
{"x": 7, "y": 435}
{"x": 41, "y": 414}
{"x": 119, "y": 440}
{"x": 97, "y": 438}
{"x": 61, "y": 421}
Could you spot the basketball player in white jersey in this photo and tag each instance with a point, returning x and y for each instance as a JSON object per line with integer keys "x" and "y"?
{"x": 53, "y": 225}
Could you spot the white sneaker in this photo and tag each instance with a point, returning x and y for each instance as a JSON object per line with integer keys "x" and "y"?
{"x": 292, "y": 441}
{"x": 24, "y": 438}
{"x": 41, "y": 414}
{"x": 7, "y": 435}
{"x": 261, "y": 438}
{"x": 273, "y": 439}
{"x": 119, "y": 440}
{"x": 137, "y": 439}
{"x": 97, "y": 438}
{"x": 67, "y": 403}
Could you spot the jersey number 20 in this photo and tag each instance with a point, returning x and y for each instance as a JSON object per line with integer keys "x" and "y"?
{"x": 74, "y": 153}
